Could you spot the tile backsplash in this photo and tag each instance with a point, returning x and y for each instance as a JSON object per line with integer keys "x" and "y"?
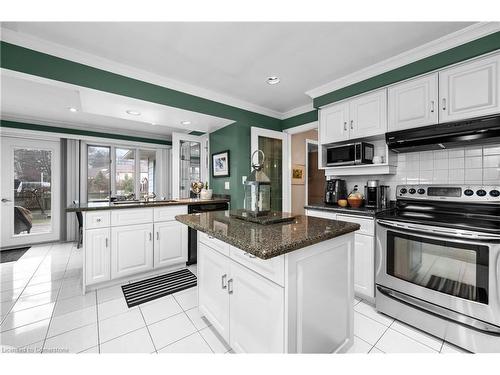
{"x": 467, "y": 165}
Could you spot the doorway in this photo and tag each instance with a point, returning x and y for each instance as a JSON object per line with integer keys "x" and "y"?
{"x": 30, "y": 208}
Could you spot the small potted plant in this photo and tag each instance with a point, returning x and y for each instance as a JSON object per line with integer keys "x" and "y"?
{"x": 206, "y": 193}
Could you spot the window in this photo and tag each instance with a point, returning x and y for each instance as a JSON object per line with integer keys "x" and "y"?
{"x": 134, "y": 172}
{"x": 98, "y": 173}
{"x": 125, "y": 171}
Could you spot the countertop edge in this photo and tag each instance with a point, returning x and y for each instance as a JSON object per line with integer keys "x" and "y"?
{"x": 146, "y": 205}
{"x": 282, "y": 249}
{"x": 369, "y": 213}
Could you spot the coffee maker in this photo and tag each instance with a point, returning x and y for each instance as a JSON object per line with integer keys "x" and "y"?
{"x": 376, "y": 195}
{"x": 335, "y": 189}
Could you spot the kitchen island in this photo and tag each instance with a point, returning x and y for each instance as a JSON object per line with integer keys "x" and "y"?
{"x": 279, "y": 288}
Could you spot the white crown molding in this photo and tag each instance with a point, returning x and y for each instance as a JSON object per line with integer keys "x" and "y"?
{"x": 81, "y": 57}
{"x": 444, "y": 43}
{"x": 297, "y": 111}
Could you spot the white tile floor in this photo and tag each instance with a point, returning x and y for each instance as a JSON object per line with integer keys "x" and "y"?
{"x": 42, "y": 310}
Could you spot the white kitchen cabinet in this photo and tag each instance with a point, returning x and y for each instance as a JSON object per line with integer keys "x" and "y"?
{"x": 256, "y": 311}
{"x": 413, "y": 103}
{"x": 131, "y": 249}
{"x": 470, "y": 89}
{"x": 97, "y": 255}
{"x": 334, "y": 123}
{"x": 170, "y": 244}
{"x": 368, "y": 114}
{"x": 364, "y": 266}
{"x": 213, "y": 296}
{"x": 321, "y": 214}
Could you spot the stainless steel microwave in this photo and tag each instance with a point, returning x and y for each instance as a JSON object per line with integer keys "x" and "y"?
{"x": 350, "y": 154}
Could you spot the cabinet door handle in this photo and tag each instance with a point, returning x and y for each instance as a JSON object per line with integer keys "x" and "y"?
{"x": 444, "y": 104}
{"x": 223, "y": 281}
{"x": 432, "y": 106}
{"x": 230, "y": 286}
{"x": 106, "y": 241}
{"x": 345, "y": 126}
{"x": 352, "y": 124}
{"x": 157, "y": 236}
{"x": 150, "y": 236}
{"x": 98, "y": 220}
{"x": 249, "y": 255}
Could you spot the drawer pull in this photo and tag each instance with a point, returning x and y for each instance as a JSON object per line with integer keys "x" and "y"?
{"x": 223, "y": 281}
{"x": 157, "y": 236}
{"x": 249, "y": 255}
{"x": 98, "y": 220}
{"x": 106, "y": 241}
{"x": 230, "y": 286}
{"x": 210, "y": 237}
{"x": 150, "y": 236}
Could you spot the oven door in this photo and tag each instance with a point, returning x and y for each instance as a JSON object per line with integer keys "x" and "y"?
{"x": 457, "y": 270}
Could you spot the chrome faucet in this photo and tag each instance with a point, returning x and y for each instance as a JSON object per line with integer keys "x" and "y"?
{"x": 144, "y": 190}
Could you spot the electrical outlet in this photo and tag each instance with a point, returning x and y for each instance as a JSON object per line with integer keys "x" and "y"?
{"x": 226, "y": 185}
{"x": 243, "y": 179}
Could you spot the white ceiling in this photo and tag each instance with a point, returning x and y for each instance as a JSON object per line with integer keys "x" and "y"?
{"x": 30, "y": 98}
{"x": 234, "y": 59}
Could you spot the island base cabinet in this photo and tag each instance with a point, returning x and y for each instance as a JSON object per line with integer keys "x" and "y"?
{"x": 256, "y": 311}
{"x": 364, "y": 266}
{"x": 170, "y": 244}
{"x": 213, "y": 297}
{"x": 97, "y": 256}
{"x": 131, "y": 249}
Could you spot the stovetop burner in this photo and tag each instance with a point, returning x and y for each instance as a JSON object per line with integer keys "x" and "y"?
{"x": 448, "y": 206}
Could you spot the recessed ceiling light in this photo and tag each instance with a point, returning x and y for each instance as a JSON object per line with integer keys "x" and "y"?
{"x": 185, "y": 122}
{"x": 273, "y": 80}
{"x": 73, "y": 109}
{"x": 133, "y": 113}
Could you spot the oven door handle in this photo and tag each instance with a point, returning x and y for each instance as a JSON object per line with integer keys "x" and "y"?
{"x": 458, "y": 234}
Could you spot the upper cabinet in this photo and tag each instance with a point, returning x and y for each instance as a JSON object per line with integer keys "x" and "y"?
{"x": 469, "y": 90}
{"x": 413, "y": 103}
{"x": 334, "y": 123}
{"x": 362, "y": 116}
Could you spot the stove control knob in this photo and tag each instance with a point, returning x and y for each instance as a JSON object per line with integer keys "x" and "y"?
{"x": 468, "y": 192}
{"x": 481, "y": 192}
{"x": 495, "y": 193}
{"x": 421, "y": 191}
{"x": 403, "y": 191}
{"x": 412, "y": 191}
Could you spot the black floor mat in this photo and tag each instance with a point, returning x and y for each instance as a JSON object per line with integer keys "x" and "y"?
{"x": 13, "y": 254}
{"x": 158, "y": 286}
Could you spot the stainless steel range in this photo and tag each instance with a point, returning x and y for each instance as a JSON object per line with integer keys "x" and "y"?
{"x": 438, "y": 262}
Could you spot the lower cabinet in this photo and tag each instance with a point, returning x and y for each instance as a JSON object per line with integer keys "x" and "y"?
{"x": 170, "y": 243}
{"x": 97, "y": 255}
{"x": 131, "y": 249}
{"x": 245, "y": 308}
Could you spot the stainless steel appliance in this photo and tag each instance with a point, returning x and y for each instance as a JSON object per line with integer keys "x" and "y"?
{"x": 350, "y": 154}
{"x": 438, "y": 262}
{"x": 335, "y": 189}
{"x": 376, "y": 195}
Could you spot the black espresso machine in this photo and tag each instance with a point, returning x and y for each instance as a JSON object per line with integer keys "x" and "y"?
{"x": 335, "y": 189}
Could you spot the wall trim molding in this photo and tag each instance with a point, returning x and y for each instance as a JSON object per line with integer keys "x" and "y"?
{"x": 302, "y": 128}
{"x": 297, "y": 111}
{"x": 74, "y": 133}
{"x": 67, "y": 53}
{"x": 434, "y": 47}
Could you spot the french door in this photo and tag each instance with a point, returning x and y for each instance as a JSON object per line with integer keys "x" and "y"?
{"x": 189, "y": 163}
{"x": 30, "y": 208}
{"x": 275, "y": 146}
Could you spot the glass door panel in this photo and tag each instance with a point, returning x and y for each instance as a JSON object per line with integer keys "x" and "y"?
{"x": 457, "y": 269}
{"x": 273, "y": 168}
{"x": 189, "y": 167}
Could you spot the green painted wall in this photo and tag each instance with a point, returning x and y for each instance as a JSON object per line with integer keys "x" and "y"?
{"x": 56, "y": 129}
{"x": 303, "y": 118}
{"x": 463, "y": 52}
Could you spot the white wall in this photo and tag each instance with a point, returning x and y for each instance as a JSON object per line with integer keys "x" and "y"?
{"x": 475, "y": 165}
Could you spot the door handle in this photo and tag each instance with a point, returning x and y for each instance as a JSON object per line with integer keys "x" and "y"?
{"x": 352, "y": 124}
{"x": 444, "y": 104}
{"x": 230, "y": 286}
{"x": 157, "y": 236}
{"x": 150, "y": 236}
{"x": 5, "y": 200}
{"x": 345, "y": 126}
{"x": 223, "y": 281}
{"x": 432, "y": 106}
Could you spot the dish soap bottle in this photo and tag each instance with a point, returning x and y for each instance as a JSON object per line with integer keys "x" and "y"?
{"x": 355, "y": 198}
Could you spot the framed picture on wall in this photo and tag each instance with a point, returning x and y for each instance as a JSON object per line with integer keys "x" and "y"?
{"x": 298, "y": 174}
{"x": 220, "y": 164}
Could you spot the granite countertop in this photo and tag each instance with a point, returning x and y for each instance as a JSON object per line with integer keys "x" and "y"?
{"x": 95, "y": 206}
{"x": 361, "y": 211}
{"x": 267, "y": 241}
